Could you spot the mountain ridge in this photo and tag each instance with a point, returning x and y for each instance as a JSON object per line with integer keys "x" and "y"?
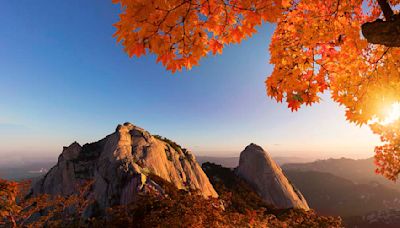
{"x": 357, "y": 170}
{"x": 120, "y": 165}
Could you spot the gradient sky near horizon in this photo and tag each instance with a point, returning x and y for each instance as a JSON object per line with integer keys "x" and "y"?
{"x": 63, "y": 78}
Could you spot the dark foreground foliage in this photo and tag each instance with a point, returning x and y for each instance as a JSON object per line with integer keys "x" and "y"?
{"x": 238, "y": 206}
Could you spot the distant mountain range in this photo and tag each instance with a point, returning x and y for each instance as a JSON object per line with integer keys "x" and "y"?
{"x": 232, "y": 162}
{"x": 376, "y": 219}
{"x": 25, "y": 171}
{"x": 332, "y": 195}
{"x": 361, "y": 171}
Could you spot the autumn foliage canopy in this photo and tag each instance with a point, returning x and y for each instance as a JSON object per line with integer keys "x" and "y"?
{"x": 317, "y": 46}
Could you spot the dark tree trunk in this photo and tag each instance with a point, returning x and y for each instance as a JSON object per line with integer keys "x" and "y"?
{"x": 386, "y": 9}
{"x": 383, "y": 32}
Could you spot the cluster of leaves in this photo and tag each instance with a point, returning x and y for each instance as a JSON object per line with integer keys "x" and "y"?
{"x": 18, "y": 210}
{"x": 8, "y": 206}
{"x": 181, "y": 32}
{"x": 182, "y": 210}
{"x": 316, "y": 46}
{"x": 387, "y": 156}
{"x": 192, "y": 210}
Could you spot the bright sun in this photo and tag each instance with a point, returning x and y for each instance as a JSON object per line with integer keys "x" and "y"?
{"x": 392, "y": 115}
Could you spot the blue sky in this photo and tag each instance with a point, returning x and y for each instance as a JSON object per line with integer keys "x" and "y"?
{"x": 64, "y": 78}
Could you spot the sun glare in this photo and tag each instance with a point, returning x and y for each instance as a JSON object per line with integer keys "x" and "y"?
{"x": 392, "y": 115}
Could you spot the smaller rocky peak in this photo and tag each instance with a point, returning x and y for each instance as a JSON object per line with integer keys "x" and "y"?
{"x": 261, "y": 172}
{"x": 253, "y": 148}
{"x": 255, "y": 155}
{"x": 253, "y": 145}
{"x": 72, "y": 151}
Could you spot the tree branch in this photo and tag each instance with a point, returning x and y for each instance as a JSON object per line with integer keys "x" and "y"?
{"x": 386, "y": 9}
{"x": 383, "y": 32}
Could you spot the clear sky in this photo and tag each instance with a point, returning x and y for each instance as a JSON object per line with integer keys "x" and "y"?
{"x": 64, "y": 78}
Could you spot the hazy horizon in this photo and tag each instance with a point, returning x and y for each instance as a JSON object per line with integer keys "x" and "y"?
{"x": 20, "y": 159}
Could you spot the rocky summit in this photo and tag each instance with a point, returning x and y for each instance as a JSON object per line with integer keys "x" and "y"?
{"x": 258, "y": 169}
{"x": 121, "y": 166}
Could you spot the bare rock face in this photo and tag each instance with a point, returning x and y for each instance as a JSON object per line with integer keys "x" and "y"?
{"x": 258, "y": 169}
{"x": 120, "y": 166}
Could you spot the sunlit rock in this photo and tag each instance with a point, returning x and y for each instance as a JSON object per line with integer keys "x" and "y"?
{"x": 121, "y": 166}
{"x": 258, "y": 169}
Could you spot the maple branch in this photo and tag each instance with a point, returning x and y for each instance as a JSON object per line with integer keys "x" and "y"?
{"x": 370, "y": 77}
{"x": 386, "y": 9}
{"x": 380, "y": 58}
{"x": 184, "y": 28}
{"x": 337, "y": 8}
